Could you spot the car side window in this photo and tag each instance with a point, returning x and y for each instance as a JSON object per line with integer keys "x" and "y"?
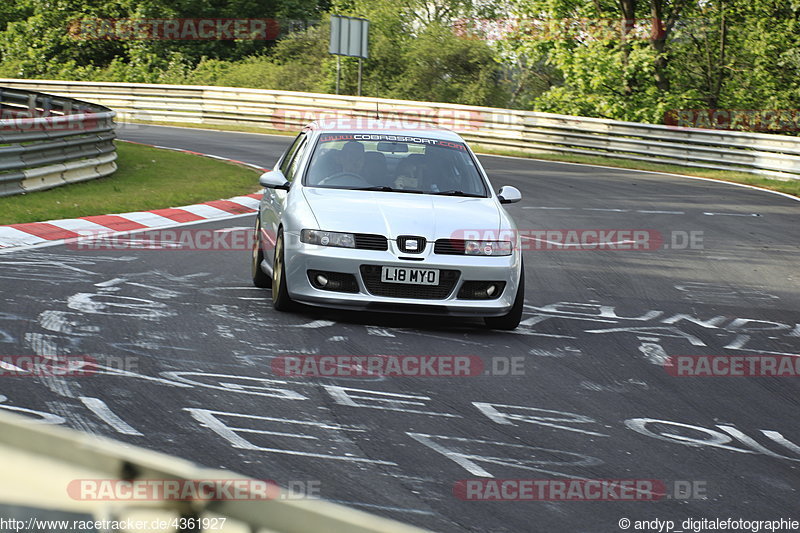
{"x": 287, "y": 159}
{"x": 295, "y": 160}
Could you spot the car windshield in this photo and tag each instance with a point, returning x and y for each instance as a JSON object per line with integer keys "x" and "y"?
{"x": 394, "y": 163}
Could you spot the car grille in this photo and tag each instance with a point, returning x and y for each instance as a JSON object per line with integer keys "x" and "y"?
{"x": 371, "y": 275}
{"x": 366, "y": 241}
{"x": 449, "y": 247}
{"x": 403, "y": 240}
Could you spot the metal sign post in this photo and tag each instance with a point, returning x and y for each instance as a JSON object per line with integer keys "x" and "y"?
{"x": 349, "y": 37}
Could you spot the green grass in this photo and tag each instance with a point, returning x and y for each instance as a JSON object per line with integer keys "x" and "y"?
{"x": 789, "y": 187}
{"x": 148, "y": 178}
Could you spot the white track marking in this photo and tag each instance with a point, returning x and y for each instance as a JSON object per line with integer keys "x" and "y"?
{"x": 469, "y": 461}
{"x": 780, "y": 439}
{"x": 77, "y": 225}
{"x": 43, "y": 345}
{"x": 110, "y": 283}
{"x": 104, "y": 413}
{"x": 209, "y": 419}
{"x": 205, "y": 211}
{"x": 147, "y": 219}
{"x": 654, "y": 353}
{"x": 44, "y": 417}
{"x": 315, "y": 324}
{"x": 669, "y": 331}
{"x": 113, "y": 305}
{"x": 534, "y": 415}
{"x": 58, "y": 322}
{"x": 388, "y": 401}
{"x": 234, "y": 228}
{"x": 13, "y": 368}
{"x": 226, "y": 382}
{"x": 10, "y": 236}
{"x": 247, "y": 201}
{"x": 753, "y": 445}
{"x": 379, "y": 332}
{"x": 731, "y": 214}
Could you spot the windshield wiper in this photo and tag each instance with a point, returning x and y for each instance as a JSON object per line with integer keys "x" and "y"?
{"x": 458, "y": 193}
{"x": 385, "y": 188}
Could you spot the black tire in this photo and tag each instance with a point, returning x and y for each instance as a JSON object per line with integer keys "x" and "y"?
{"x": 280, "y": 295}
{"x": 512, "y": 319}
{"x": 260, "y": 278}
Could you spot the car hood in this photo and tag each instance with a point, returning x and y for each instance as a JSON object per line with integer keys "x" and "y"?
{"x": 393, "y": 214}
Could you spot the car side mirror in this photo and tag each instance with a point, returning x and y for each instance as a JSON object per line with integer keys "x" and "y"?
{"x": 274, "y": 179}
{"x": 509, "y": 195}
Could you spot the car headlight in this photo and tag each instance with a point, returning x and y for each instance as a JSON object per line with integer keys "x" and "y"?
{"x": 328, "y": 238}
{"x": 487, "y": 248}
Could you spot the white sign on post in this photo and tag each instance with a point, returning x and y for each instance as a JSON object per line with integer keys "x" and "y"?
{"x": 349, "y": 37}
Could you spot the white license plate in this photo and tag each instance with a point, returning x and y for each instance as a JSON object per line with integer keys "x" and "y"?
{"x": 412, "y": 276}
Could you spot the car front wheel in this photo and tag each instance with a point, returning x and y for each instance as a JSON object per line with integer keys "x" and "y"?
{"x": 280, "y": 295}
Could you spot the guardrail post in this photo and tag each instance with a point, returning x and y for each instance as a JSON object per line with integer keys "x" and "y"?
{"x": 32, "y": 105}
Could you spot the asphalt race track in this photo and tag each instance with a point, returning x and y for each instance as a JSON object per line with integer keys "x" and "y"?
{"x": 590, "y": 397}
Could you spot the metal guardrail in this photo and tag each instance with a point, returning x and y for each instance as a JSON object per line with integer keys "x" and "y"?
{"x": 47, "y": 141}
{"x": 41, "y": 462}
{"x": 769, "y": 155}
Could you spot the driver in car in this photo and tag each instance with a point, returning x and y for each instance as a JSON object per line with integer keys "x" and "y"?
{"x": 352, "y": 158}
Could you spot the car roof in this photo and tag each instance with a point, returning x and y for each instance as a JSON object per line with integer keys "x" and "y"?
{"x": 366, "y": 125}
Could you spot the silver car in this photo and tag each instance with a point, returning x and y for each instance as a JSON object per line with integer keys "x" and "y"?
{"x": 386, "y": 219}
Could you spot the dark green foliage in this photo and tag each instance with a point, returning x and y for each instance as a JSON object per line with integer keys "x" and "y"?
{"x": 734, "y": 54}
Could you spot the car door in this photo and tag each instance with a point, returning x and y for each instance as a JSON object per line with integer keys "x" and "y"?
{"x": 275, "y": 199}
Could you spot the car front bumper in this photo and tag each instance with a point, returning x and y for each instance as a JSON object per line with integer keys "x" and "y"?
{"x": 299, "y": 258}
